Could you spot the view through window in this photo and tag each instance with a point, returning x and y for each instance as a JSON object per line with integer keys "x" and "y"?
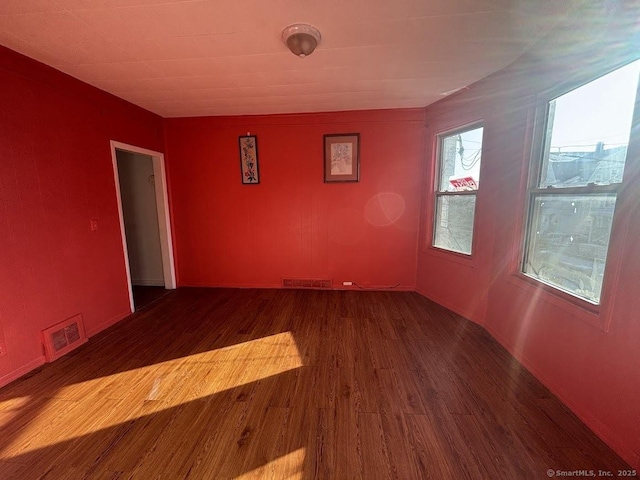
{"x": 458, "y": 180}
{"x": 579, "y": 174}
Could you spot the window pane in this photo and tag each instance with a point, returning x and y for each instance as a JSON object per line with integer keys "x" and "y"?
{"x": 454, "y": 222}
{"x": 460, "y": 161}
{"x": 588, "y": 131}
{"x": 568, "y": 241}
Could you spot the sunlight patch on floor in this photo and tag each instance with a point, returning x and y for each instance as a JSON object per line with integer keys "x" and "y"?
{"x": 83, "y": 408}
{"x": 287, "y": 467}
{"x": 13, "y": 403}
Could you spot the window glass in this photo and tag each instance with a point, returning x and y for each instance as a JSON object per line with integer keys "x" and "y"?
{"x": 460, "y": 161}
{"x": 454, "y": 222}
{"x": 568, "y": 242}
{"x": 588, "y": 131}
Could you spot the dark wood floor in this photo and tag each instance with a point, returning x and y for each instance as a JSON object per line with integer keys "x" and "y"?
{"x": 221, "y": 383}
{"x": 143, "y": 295}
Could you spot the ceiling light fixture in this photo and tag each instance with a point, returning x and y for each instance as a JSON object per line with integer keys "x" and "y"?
{"x": 301, "y": 39}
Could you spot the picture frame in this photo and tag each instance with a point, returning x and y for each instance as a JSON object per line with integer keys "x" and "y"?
{"x": 342, "y": 157}
{"x": 249, "y": 168}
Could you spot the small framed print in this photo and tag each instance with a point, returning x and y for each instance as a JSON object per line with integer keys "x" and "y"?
{"x": 342, "y": 157}
{"x": 249, "y": 159}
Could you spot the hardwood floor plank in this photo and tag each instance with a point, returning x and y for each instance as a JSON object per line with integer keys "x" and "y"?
{"x": 398, "y": 445}
{"x": 10, "y": 469}
{"x": 345, "y": 432}
{"x": 373, "y": 450}
{"x": 322, "y": 446}
{"x": 430, "y": 449}
{"x": 485, "y": 454}
{"x": 286, "y": 457}
{"x": 217, "y": 448}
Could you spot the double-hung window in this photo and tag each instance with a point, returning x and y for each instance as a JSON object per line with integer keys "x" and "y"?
{"x": 576, "y": 176}
{"x": 458, "y": 178}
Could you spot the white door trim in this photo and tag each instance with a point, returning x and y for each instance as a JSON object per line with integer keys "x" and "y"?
{"x": 164, "y": 220}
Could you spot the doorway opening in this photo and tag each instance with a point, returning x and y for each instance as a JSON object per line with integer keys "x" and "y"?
{"x": 144, "y": 222}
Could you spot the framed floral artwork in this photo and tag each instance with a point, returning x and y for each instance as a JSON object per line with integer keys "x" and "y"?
{"x": 342, "y": 157}
{"x": 249, "y": 159}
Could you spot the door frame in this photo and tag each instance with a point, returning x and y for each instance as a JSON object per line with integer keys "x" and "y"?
{"x": 162, "y": 205}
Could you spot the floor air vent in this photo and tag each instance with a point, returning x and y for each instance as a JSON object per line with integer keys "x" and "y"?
{"x": 63, "y": 337}
{"x": 306, "y": 283}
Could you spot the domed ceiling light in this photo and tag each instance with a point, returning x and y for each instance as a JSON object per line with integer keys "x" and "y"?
{"x": 301, "y": 39}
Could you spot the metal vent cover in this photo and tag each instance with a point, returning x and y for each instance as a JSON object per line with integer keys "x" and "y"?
{"x": 61, "y": 338}
{"x": 316, "y": 283}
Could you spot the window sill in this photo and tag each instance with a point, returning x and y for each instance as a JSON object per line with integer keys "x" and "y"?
{"x": 450, "y": 255}
{"x": 589, "y": 313}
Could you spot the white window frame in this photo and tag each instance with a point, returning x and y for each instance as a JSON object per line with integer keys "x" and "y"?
{"x": 437, "y": 194}
{"x": 620, "y": 190}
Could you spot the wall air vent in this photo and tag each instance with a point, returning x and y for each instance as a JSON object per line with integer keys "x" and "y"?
{"x": 317, "y": 283}
{"x": 61, "y": 338}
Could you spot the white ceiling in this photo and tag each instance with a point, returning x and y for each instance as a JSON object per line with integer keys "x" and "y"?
{"x": 225, "y": 57}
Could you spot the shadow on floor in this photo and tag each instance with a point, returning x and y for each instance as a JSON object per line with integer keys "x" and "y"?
{"x": 144, "y": 295}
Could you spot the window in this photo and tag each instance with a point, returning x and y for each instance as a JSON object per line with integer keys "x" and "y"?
{"x": 576, "y": 178}
{"x": 458, "y": 179}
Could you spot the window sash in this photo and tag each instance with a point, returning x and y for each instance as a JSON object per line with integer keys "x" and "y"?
{"x": 440, "y": 194}
{"x": 542, "y": 138}
{"x": 437, "y": 228}
{"x": 587, "y": 189}
{"x": 572, "y": 263}
{"x": 464, "y": 192}
{"x": 533, "y": 193}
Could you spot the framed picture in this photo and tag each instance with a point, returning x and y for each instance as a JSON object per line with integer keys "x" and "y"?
{"x": 342, "y": 157}
{"x": 249, "y": 159}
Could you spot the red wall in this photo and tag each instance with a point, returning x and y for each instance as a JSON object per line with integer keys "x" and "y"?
{"x": 292, "y": 224}
{"x": 594, "y": 371}
{"x": 56, "y": 175}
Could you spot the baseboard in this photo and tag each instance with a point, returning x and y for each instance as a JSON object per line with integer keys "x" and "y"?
{"x": 592, "y": 422}
{"x": 401, "y": 288}
{"x": 23, "y": 370}
{"x": 227, "y": 285}
{"x": 453, "y": 308}
{"x": 377, "y": 288}
{"x": 148, "y": 283}
{"x": 106, "y": 324}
